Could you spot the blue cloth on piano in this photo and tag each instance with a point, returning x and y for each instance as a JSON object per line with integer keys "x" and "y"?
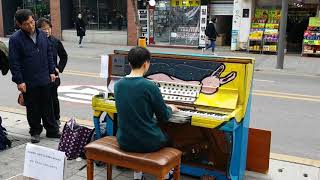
{"x": 137, "y": 100}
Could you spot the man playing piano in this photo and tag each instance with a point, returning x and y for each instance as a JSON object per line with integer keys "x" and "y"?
{"x": 137, "y": 101}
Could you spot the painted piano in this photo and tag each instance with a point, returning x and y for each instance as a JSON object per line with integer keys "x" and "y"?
{"x": 213, "y": 95}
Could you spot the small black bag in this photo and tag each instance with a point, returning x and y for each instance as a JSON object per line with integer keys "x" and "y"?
{"x": 4, "y": 141}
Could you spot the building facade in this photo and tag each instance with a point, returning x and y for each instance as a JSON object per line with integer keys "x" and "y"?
{"x": 173, "y": 22}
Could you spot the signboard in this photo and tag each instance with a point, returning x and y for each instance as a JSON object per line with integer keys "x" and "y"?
{"x": 43, "y": 163}
{"x": 235, "y": 24}
{"x": 314, "y": 21}
{"x": 151, "y": 26}
{"x": 104, "y": 66}
{"x": 144, "y": 23}
{"x": 203, "y": 26}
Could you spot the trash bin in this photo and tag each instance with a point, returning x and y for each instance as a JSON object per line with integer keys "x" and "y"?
{"x": 142, "y": 42}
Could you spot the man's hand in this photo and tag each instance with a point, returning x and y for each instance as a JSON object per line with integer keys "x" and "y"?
{"x": 173, "y": 107}
{"x": 57, "y": 70}
{"x": 53, "y": 77}
{"x": 22, "y": 87}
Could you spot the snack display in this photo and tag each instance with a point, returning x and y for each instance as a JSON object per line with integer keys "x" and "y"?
{"x": 264, "y": 34}
{"x": 311, "y": 41}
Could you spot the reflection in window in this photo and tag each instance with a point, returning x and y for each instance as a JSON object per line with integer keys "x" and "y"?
{"x": 102, "y": 14}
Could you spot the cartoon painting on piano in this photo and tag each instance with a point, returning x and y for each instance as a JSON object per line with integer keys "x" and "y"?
{"x": 212, "y": 95}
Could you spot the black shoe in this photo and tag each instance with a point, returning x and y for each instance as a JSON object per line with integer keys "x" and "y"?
{"x": 56, "y": 135}
{"x": 35, "y": 139}
{"x": 170, "y": 176}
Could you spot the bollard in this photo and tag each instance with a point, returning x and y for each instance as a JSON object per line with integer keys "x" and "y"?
{"x": 142, "y": 42}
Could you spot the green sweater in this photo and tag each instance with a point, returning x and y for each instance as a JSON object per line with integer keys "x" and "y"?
{"x": 137, "y": 100}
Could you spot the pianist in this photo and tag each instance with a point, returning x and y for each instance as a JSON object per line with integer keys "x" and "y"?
{"x": 137, "y": 101}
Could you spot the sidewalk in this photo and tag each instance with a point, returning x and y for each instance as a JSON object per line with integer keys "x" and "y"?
{"x": 293, "y": 64}
{"x": 12, "y": 160}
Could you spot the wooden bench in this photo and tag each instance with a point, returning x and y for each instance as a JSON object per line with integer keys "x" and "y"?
{"x": 156, "y": 163}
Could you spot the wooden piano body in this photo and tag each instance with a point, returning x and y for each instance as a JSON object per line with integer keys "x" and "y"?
{"x": 211, "y": 146}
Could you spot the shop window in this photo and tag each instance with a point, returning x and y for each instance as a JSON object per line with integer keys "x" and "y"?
{"x": 40, "y": 8}
{"x": 176, "y": 22}
{"x": 102, "y": 15}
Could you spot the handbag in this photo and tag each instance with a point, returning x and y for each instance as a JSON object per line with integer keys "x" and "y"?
{"x": 74, "y": 138}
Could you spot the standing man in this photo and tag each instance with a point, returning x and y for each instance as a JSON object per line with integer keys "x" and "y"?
{"x": 211, "y": 34}
{"x": 58, "y": 50}
{"x": 33, "y": 69}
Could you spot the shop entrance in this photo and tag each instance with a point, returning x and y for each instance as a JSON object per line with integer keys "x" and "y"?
{"x": 223, "y": 11}
{"x": 224, "y": 28}
{"x": 298, "y": 20}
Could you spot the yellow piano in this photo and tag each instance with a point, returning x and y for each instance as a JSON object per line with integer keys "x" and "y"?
{"x": 214, "y": 99}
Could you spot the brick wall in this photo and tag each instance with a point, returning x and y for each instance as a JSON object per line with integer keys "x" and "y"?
{"x": 55, "y": 18}
{"x": 132, "y": 32}
{"x": 1, "y": 21}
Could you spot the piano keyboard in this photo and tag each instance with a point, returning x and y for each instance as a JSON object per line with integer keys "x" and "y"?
{"x": 184, "y": 116}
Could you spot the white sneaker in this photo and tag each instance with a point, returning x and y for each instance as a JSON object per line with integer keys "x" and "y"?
{"x": 203, "y": 49}
{"x": 80, "y": 46}
{"x": 214, "y": 54}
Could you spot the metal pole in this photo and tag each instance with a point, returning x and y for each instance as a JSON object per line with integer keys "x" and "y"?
{"x": 98, "y": 13}
{"x": 282, "y": 35}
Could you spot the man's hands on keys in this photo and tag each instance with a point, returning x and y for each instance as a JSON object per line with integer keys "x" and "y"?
{"x": 173, "y": 107}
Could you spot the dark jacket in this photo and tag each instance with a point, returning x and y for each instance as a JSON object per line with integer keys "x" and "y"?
{"x": 81, "y": 27}
{"x": 58, "y": 50}
{"x": 211, "y": 32}
{"x": 4, "y": 62}
{"x": 30, "y": 63}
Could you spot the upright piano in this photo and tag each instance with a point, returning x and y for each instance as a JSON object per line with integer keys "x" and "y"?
{"x": 213, "y": 95}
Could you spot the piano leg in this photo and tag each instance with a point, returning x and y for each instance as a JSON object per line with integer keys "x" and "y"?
{"x": 96, "y": 122}
{"x": 239, "y": 152}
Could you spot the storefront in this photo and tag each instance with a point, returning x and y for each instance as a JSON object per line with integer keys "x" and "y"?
{"x": 265, "y": 25}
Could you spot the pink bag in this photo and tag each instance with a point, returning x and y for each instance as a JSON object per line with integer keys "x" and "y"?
{"x": 74, "y": 138}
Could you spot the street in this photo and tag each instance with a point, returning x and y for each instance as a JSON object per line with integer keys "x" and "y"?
{"x": 285, "y": 103}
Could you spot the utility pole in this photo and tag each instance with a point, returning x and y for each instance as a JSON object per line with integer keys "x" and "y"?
{"x": 282, "y": 35}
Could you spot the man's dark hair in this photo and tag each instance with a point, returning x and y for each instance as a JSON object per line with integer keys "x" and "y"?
{"x": 23, "y": 15}
{"x": 214, "y": 19}
{"x": 137, "y": 56}
{"x": 42, "y": 21}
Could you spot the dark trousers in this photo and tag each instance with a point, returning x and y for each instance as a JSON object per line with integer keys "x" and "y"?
{"x": 39, "y": 106}
{"x": 80, "y": 39}
{"x": 55, "y": 101}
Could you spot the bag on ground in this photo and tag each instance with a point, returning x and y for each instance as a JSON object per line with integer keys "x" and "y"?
{"x": 74, "y": 138}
